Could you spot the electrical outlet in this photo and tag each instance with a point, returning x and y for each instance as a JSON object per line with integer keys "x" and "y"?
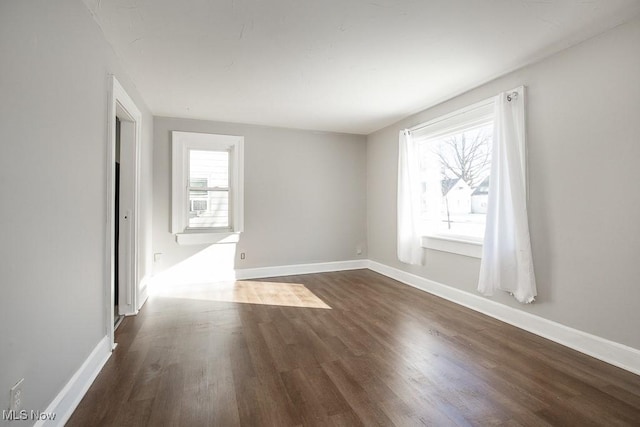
{"x": 242, "y": 255}
{"x": 358, "y": 250}
{"x": 16, "y": 396}
{"x": 157, "y": 256}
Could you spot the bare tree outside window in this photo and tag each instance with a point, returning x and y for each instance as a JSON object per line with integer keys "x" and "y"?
{"x": 467, "y": 156}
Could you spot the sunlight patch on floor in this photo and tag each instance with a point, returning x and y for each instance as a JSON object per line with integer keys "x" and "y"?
{"x": 247, "y": 292}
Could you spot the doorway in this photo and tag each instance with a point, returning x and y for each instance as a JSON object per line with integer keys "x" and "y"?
{"x": 117, "y": 316}
{"x": 123, "y": 157}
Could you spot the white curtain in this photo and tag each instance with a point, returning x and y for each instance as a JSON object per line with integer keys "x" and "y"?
{"x": 409, "y": 238}
{"x": 507, "y": 263}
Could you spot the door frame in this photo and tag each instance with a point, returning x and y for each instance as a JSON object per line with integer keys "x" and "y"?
{"x": 122, "y": 106}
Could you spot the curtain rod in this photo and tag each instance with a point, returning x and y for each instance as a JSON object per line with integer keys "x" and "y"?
{"x": 467, "y": 109}
{"x": 510, "y": 97}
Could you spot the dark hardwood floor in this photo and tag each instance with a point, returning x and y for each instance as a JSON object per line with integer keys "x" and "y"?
{"x": 382, "y": 354}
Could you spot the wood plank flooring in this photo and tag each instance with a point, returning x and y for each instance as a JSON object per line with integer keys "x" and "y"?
{"x": 382, "y": 354}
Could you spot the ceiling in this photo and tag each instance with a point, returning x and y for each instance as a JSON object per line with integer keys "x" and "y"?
{"x": 335, "y": 65}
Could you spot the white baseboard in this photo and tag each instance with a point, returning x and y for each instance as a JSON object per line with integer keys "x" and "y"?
{"x": 616, "y": 354}
{"x": 72, "y": 393}
{"x": 290, "y": 270}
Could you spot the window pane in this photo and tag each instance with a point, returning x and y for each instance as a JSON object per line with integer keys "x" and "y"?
{"x": 455, "y": 181}
{"x": 208, "y": 168}
{"x": 208, "y": 209}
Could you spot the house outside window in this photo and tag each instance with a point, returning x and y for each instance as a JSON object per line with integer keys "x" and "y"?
{"x": 198, "y": 198}
{"x": 209, "y": 190}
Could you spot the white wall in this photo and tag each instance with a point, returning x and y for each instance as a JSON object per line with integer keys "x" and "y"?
{"x": 54, "y": 70}
{"x": 305, "y": 200}
{"x": 583, "y": 139}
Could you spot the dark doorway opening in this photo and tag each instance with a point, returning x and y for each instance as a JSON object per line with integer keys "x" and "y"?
{"x": 117, "y": 318}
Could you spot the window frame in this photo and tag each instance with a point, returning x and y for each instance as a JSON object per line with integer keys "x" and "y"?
{"x": 456, "y": 122}
{"x": 182, "y": 144}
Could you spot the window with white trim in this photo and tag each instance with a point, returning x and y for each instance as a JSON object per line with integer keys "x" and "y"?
{"x": 207, "y": 183}
{"x": 455, "y": 153}
{"x": 455, "y": 164}
{"x": 445, "y": 180}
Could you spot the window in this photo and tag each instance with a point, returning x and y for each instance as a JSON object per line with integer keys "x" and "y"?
{"x": 448, "y": 170}
{"x": 455, "y": 164}
{"x": 207, "y": 185}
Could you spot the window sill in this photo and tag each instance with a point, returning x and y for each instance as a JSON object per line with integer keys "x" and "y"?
{"x": 453, "y": 245}
{"x": 200, "y": 238}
